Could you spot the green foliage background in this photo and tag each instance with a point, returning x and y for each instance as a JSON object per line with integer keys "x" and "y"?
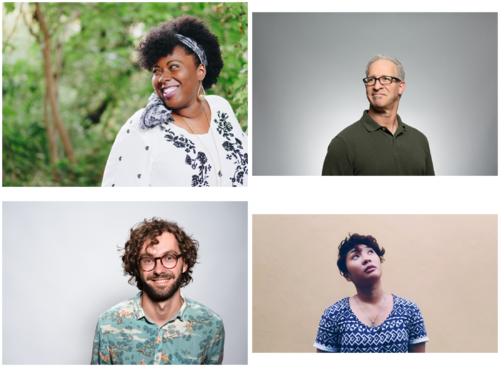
{"x": 99, "y": 87}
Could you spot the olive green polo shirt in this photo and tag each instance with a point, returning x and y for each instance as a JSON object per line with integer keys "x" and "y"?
{"x": 366, "y": 148}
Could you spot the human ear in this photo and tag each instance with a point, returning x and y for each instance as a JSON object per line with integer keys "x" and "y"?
{"x": 202, "y": 72}
{"x": 347, "y": 277}
{"x": 184, "y": 267}
{"x": 402, "y": 86}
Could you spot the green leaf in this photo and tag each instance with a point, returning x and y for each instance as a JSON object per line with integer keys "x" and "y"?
{"x": 9, "y": 7}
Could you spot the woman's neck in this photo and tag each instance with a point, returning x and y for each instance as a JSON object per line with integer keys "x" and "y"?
{"x": 371, "y": 293}
{"x": 192, "y": 111}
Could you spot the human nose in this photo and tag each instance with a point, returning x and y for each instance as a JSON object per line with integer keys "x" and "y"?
{"x": 377, "y": 84}
{"x": 159, "y": 268}
{"x": 366, "y": 259}
{"x": 165, "y": 76}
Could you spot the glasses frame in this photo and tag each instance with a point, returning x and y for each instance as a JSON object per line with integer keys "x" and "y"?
{"x": 378, "y": 78}
{"x": 161, "y": 260}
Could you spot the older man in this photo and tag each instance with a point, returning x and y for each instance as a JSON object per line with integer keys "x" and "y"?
{"x": 380, "y": 143}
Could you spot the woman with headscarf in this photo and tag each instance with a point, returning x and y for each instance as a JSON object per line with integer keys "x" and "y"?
{"x": 182, "y": 137}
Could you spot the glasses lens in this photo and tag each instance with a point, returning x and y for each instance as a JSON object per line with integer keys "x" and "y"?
{"x": 386, "y": 80}
{"x": 383, "y": 80}
{"x": 169, "y": 261}
{"x": 147, "y": 264}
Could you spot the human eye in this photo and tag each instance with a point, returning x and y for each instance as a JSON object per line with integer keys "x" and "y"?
{"x": 386, "y": 79}
{"x": 356, "y": 255}
{"x": 146, "y": 260}
{"x": 169, "y": 257}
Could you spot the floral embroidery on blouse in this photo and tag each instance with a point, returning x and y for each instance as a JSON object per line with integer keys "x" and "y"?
{"x": 234, "y": 149}
{"x": 197, "y": 160}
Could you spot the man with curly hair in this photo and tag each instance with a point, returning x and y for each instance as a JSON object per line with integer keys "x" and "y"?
{"x": 182, "y": 137}
{"x": 159, "y": 325}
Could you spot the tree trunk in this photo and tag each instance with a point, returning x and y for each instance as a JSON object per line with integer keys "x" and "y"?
{"x": 52, "y": 138}
{"x": 50, "y": 89}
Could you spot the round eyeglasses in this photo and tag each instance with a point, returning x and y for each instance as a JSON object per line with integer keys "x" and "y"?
{"x": 168, "y": 261}
{"x": 384, "y": 80}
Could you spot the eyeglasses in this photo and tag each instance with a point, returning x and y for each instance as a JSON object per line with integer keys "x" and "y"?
{"x": 168, "y": 261}
{"x": 384, "y": 80}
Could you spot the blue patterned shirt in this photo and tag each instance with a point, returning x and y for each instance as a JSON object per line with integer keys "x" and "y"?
{"x": 125, "y": 336}
{"x": 341, "y": 331}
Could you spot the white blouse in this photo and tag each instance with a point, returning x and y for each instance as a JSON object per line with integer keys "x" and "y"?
{"x": 168, "y": 155}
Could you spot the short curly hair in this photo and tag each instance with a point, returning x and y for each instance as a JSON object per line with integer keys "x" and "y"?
{"x": 161, "y": 41}
{"x": 150, "y": 230}
{"x": 352, "y": 242}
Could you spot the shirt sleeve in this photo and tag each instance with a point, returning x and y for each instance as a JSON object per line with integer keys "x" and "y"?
{"x": 337, "y": 160}
{"x": 100, "y": 351}
{"x": 429, "y": 167}
{"x": 130, "y": 160}
{"x": 215, "y": 352}
{"x": 416, "y": 327}
{"x": 327, "y": 337}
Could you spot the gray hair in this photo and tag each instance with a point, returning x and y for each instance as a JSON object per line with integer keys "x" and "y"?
{"x": 400, "y": 72}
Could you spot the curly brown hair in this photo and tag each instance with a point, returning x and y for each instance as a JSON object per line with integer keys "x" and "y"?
{"x": 352, "y": 242}
{"x": 150, "y": 230}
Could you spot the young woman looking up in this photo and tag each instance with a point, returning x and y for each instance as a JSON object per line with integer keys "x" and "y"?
{"x": 372, "y": 321}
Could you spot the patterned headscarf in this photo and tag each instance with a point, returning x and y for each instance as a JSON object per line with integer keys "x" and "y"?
{"x": 156, "y": 112}
{"x": 195, "y": 47}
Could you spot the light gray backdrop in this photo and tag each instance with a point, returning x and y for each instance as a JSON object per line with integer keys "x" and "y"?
{"x": 61, "y": 271}
{"x": 307, "y": 85}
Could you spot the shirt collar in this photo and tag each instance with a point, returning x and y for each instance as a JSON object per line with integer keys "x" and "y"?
{"x": 139, "y": 312}
{"x": 371, "y": 125}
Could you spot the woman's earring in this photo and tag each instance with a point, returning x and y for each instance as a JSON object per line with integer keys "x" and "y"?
{"x": 201, "y": 96}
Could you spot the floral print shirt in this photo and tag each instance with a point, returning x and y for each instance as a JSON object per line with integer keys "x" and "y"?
{"x": 125, "y": 336}
{"x": 167, "y": 155}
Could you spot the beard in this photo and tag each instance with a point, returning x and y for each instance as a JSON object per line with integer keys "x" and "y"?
{"x": 161, "y": 294}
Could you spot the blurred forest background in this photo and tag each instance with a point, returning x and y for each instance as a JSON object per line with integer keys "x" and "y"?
{"x": 70, "y": 81}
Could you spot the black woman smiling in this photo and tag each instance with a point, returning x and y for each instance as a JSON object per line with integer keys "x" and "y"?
{"x": 182, "y": 137}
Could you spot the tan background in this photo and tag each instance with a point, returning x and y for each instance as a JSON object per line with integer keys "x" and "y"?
{"x": 446, "y": 264}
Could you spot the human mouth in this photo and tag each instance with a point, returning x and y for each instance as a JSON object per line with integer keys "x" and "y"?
{"x": 161, "y": 282}
{"x": 371, "y": 268}
{"x": 169, "y": 91}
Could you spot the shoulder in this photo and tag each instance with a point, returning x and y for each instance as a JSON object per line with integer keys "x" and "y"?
{"x": 337, "y": 309}
{"x": 405, "y": 305}
{"x": 134, "y": 121}
{"x": 414, "y": 132}
{"x": 352, "y": 132}
{"x": 131, "y": 126}
{"x": 221, "y": 109}
{"x": 224, "y": 117}
{"x": 218, "y": 103}
{"x": 195, "y": 309}
{"x": 123, "y": 308}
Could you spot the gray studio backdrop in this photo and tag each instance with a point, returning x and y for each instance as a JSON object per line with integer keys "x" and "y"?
{"x": 61, "y": 271}
{"x": 307, "y": 85}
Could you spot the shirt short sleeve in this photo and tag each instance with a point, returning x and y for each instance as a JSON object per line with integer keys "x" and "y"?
{"x": 130, "y": 161}
{"x": 416, "y": 327}
{"x": 328, "y": 333}
{"x": 215, "y": 352}
{"x": 337, "y": 161}
{"x": 100, "y": 352}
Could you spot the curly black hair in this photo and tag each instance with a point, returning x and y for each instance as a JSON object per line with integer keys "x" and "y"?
{"x": 161, "y": 41}
{"x": 352, "y": 242}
